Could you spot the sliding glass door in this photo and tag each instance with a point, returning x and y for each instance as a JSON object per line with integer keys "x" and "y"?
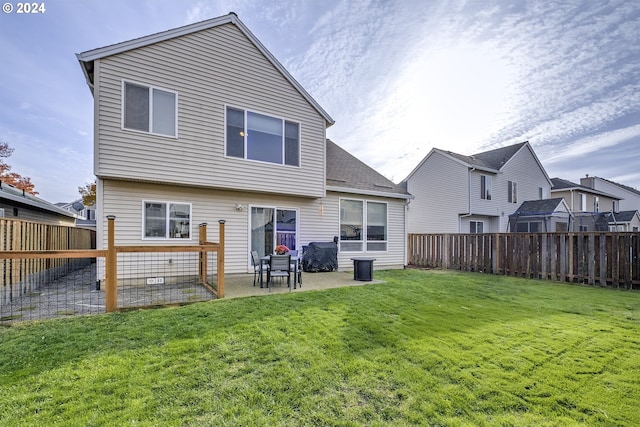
{"x": 272, "y": 226}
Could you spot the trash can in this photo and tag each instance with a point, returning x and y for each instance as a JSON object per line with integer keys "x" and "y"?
{"x": 363, "y": 269}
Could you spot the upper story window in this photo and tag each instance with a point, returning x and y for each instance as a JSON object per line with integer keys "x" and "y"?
{"x": 512, "y": 190}
{"x": 360, "y": 222}
{"x": 256, "y": 136}
{"x": 149, "y": 109}
{"x": 540, "y": 193}
{"x": 583, "y": 202}
{"x": 616, "y": 205}
{"x": 596, "y": 204}
{"x": 485, "y": 187}
{"x": 165, "y": 220}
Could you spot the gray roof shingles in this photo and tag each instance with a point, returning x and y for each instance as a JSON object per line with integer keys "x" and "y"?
{"x": 492, "y": 159}
{"x": 345, "y": 170}
{"x": 14, "y": 195}
{"x": 623, "y": 216}
{"x": 564, "y": 184}
{"x": 538, "y": 207}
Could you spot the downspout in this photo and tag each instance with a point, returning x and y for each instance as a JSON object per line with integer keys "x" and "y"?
{"x": 406, "y": 232}
{"x": 468, "y": 214}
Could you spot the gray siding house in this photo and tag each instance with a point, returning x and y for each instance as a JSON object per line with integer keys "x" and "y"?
{"x": 629, "y": 196}
{"x": 455, "y": 193}
{"x": 624, "y": 221}
{"x": 18, "y": 204}
{"x": 202, "y": 123}
{"x": 580, "y": 198}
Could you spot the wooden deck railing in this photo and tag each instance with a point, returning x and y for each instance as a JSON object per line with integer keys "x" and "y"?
{"x": 32, "y": 249}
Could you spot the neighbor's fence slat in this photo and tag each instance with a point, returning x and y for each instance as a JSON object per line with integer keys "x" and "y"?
{"x": 594, "y": 258}
{"x": 19, "y": 275}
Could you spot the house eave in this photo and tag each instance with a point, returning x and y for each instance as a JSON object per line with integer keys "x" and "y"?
{"x": 369, "y": 192}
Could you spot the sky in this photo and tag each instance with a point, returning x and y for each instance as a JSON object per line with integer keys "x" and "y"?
{"x": 399, "y": 77}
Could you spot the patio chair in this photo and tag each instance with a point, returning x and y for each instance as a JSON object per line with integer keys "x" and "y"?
{"x": 279, "y": 266}
{"x": 255, "y": 262}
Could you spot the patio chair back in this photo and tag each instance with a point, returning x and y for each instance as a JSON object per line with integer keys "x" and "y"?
{"x": 280, "y": 263}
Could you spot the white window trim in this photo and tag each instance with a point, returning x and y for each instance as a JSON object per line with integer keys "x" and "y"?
{"x": 247, "y": 110}
{"x": 181, "y": 239}
{"x": 364, "y": 240}
{"x": 275, "y": 209}
{"x": 477, "y": 222}
{"x": 151, "y": 87}
{"x": 583, "y": 202}
{"x": 487, "y": 180}
{"x": 512, "y": 192}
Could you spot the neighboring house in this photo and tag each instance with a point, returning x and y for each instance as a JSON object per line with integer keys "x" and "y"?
{"x": 586, "y": 204}
{"x": 18, "y": 204}
{"x": 541, "y": 216}
{"x": 580, "y": 198}
{"x": 202, "y": 123}
{"x": 85, "y": 215}
{"x": 629, "y": 197}
{"x": 455, "y": 193}
{"x": 624, "y": 221}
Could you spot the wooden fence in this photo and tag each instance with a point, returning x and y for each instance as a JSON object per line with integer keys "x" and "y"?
{"x": 18, "y": 235}
{"x": 594, "y": 258}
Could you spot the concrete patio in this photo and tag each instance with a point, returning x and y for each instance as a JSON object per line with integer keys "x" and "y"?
{"x": 241, "y": 285}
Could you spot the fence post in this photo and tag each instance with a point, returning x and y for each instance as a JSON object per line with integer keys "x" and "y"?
{"x": 220, "y": 267}
{"x": 202, "y": 265}
{"x": 111, "y": 292}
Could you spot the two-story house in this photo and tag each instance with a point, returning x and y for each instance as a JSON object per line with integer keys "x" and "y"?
{"x": 455, "y": 193}
{"x": 629, "y": 197}
{"x": 590, "y": 207}
{"x": 202, "y": 123}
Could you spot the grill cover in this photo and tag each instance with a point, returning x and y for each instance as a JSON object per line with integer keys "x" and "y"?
{"x": 320, "y": 256}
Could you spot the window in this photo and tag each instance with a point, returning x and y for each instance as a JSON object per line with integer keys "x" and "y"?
{"x": 616, "y": 205}
{"x": 167, "y": 220}
{"x": 596, "y": 204}
{"x": 376, "y": 226}
{"x": 512, "y": 191}
{"x": 264, "y": 138}
{"x": 540, "y": 193}
{"x": 583, "y": 202}
{"x": 528, "y": 227}
{"x": 362, "y": 222}
{"x": 476, "y": 227}
{"x": 351, "y": 219}
{"x": 485, "y": 187}
{"x": 149, "y": 109}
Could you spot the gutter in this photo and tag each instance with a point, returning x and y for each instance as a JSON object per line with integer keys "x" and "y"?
{"x": 369, "y": 192}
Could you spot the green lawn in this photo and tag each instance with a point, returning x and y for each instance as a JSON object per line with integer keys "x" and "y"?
{"x": 425, "y": 348}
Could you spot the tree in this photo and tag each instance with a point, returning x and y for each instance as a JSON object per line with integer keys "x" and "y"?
{"x": 13, "y": 178}
{"x": 88, "y": 193}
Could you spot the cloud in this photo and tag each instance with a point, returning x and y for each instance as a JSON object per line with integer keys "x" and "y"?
{"x": 593, "y": 144}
